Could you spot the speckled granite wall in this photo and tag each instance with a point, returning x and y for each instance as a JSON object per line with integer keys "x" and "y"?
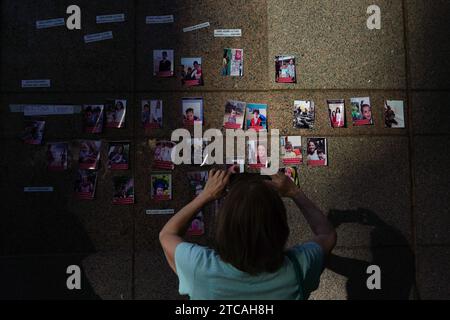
{"x": 385, "y": 189}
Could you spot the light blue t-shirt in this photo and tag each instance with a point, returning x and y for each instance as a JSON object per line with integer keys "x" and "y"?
{"x": 204, "y": 276}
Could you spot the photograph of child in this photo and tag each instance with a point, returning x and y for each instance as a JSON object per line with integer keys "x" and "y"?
{"x": 257, "y": 116}
{"x": 192, "y": 109}
{"x": 291, "y": 172}
{"x": 115, "y": 111}
{"x": 197, "y": 180}
{"x": 123, "y": 190}
{"x": 285, "y": 69}
{"x": 394, "y": 116}
{"x": 291, "y": 150}
{"x": 152, "y": 114}
{"x": 317, "y": 152}
{"x": 361, "y": 111}
{"x": 163, "y": 63}
{"x": 93, "y": 117}
{"x": 304, "y": 114}
{"x": 257, "y": 154}
{"x": 89, "y": 154}
{"x": 118, "y": 155}
{"x": 191, "y": 74}
{"x": 234, "y": 115}
{"x": 33, "y": 132}
{"x": 85, "y": 184}
{"x": 336, "y": 113}
{"x": 163, "y": 155}
{"x": 233, "y": 62}
{"x": 161, "y": 187}
{"x": 57, "y": 156}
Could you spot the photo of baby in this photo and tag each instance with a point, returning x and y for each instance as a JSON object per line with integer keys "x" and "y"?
{"x": 233, "y": 62}
{"x": 123, "y": 190}
{"x": 234, "y": 115}
{"x": 163, "y": 155}
{"x": 93, "y": 118}
{"x": 285, "y": 71}
{"x": 291, "y": 150}
{"x": 161, "y": 187}
{"x": 85, "y": 184}
{"x": 191, "y": 74}
{"x": 89, "y": 156}
{"x": 57, "y": 156}
{"x": 256, "y": 116}
{"x": 394, "y": 116}
{"x": 361, "y": 111}
{"x": 304, "y": 114}
{"x": 192, "y": 111}
{"x": 115, "y": 111}
{"x": 316, "y": 149}
{"x": 336, "y": 113}
{"x": 152, "y": 114}
{"x": 33, "y": 132}
{"x": 163, "y": 63}
{"x": 118, "y": 155}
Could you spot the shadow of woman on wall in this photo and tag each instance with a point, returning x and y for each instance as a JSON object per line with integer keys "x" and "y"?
{"x": 396, "y": 262}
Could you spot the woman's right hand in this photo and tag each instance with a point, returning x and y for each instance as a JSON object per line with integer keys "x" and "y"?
{"x": 284, "y": 185}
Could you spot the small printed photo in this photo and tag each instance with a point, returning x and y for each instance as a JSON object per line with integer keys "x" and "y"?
{"x": 234, "y": 115}
{"x": 394, "y": 116}
{"x": 152, "y": 114}
{"x": 161, "y": 186}
{"x": 257, "y": 154}
{"x": 235, "y": 165}
{"x": 191, "y": 73}
{"x": 163, "y": 66}
{"x": 197, "y": 226}
{"x": 115, "y": 111}
{"x": 33, "y": 132}
{"x": 93, "y": 118}
{"x": 123, "y": 190}
{"x": 291, "y": 172}
{"x": 118, "y": 155}
{"x": 316, "y": 150}
{"x": 57, "y": 156}
{"x": 285, "y": 69}
{"x": 89, "y": 157}
{"x": 336, "y": 113}
{"x": 85, "y": 184}
{"x": 163, "y": 155}
{"x": 192, "y": 109}
{"x": 291, "y": 150}
{"x": 257, "y": 116}
{"x": 304, "y": 114}
{"x": 361, "y": 111}
{"x": 233, "y": 62}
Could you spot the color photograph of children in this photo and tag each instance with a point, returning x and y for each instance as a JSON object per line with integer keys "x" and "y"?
{"x": 33, "y": 132}
{"x": 291, "y": 150}
{"x": 118, "y": 155}
{"x": 394, "y": 116}
{"x": 89, "y": 154}
{"x": 85, "y": 184}
{"x": 163, "y": 155}
{"x": 233, "y": 62}
{"x": 152, "y": 114}
{"x": 234, "y": 114}
{"x": 123, "y": 190}
{"x": 316, "y": 149}
{"x": 336, "y": 113}
{"x": 304, "y": 114}
{"x": 115, "y": 111}
{"x": 163, "y": 66}
{"x": 161, "y": 187}
{"x": 285, "y": 69}
{"x": 93, "y": 117}
{"x": 192, "y": 109}
{"x": 192, "y": 73}
{"x": 361, "y": 111}
{"x": 57, "y": 155}
{"x": 257, "y": 116}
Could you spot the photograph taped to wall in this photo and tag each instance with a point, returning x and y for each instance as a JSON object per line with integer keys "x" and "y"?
{"x": 161, "y": 186}
{"x": 192, "y": 72}
{"x": 115, "y": 111}
{"x": 93, "y": 118}
{"x": 57, "y": 156}
{"x": 118, "y": 155}
{"x": 361, "y": 111}
{"x": 192, "y": 111}
{"x": 233, "y": 62}
{"x": 197, "y": 180}
{"x": 152, "y": 114}
{"x": 234, "y": 114}
{"x": 304, "y": 114}
{"x": 293, "y": 173}
{"x": 123, "y": 190}
{"x": 336, "y": 113}
{"x": 257, "y": 154}
{"x": 291, "y": 150}
{"x": 85, "y": 184}
{"x": 89, "y": 156}
{"x": 33, "y": 132}
{"x": 163, "y": 66}
{"x": 394, "y": 115}
{"x": 163, "y": 155}
{"x": 256, "y": 117}
{"x": 317, "y": 152}
{"x": 285, "y": 70}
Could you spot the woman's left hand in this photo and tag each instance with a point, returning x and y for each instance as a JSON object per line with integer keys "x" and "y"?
{"x": 217, "y": 182}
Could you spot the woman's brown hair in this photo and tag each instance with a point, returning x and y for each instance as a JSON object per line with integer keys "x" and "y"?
{"x": 252, "y": 229}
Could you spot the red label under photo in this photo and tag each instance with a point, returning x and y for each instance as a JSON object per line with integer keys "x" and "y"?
{"x": 364, "y": 122}
{"x": 317, "y": 163}
{"x": 285, "y": 80}
{"x": 158, "y": 164}
{"x": 122, "y": 201}
{"x": 162, "y": 198}
{"x": 88, "y": 166}
{"x": 165, "y": 74}
{"x": 191, "y": 83}
{"x": 292, "y": 161}
{"x": 229, "y": 125}
{"x": 256, "y": 165}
